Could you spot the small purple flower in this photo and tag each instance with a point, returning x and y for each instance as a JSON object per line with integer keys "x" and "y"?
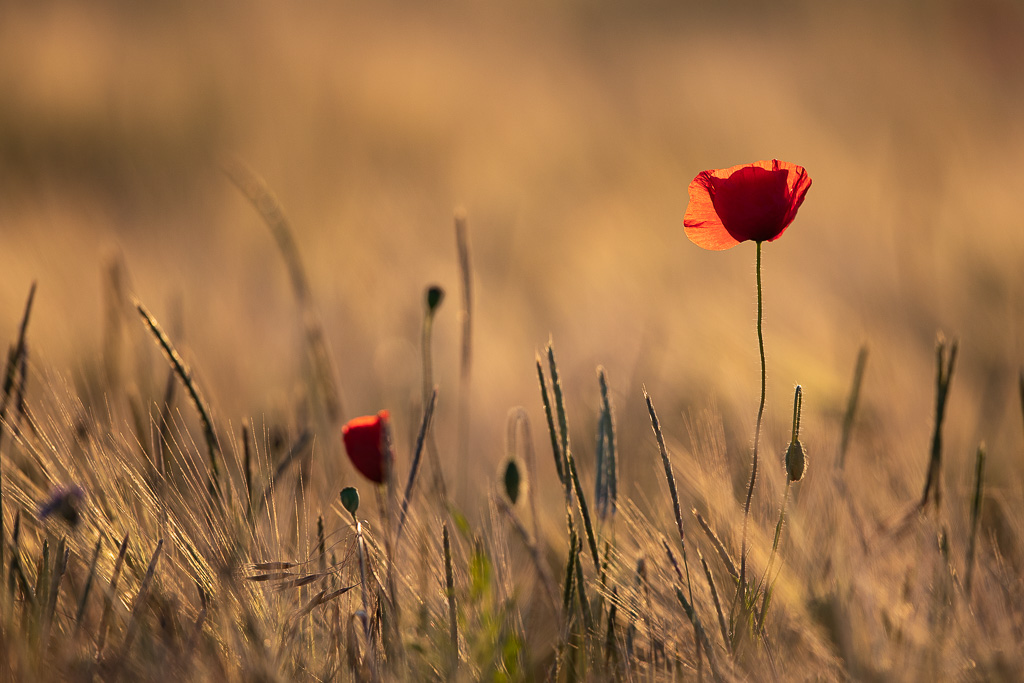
{"x": 63, "y": 502}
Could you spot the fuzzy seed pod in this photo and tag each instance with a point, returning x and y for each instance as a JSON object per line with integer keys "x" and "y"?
{"x": 796, "y": 461}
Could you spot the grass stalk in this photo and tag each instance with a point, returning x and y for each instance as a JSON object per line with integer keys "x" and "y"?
{"x": 256, "y": 191}
{"x": 428, "y": 413}
{"x": 466, "y": 344}
{"x": 979, "y": 485}
{"x": 944, "y": 365}
{"x": 449, "y": 586}
{"x": 435, "y": 295}
{"x": 14, "y": 358}
{"x": 83, "y": 600}
{"x": 851, "y": 405}
{"x": 140, "y": 601}
{"x": 108, "y": 600}
{"x": 185, "y": 375}
{"x": 700, "y": 636}
{"x": 556, "y": 450}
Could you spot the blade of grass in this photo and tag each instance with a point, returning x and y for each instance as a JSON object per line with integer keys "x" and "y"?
{"x": 255, "y": 189}
{"x": 701, "y": 638}
{"x": 943, "y": 375}
{"x": 185, "y": 375}
{"x": 714, "y": 598}
{"x": 979, "y": 473}
{"x": 140, "y": 602}
{"x": 555, "y": 448}
{"x": 13, "y": 359}
{"x": 719, "y": 547}
{"x": 83, "y": 600}
{"x": 428, "y": 413}
{"x": 108, "y": 600}
{"x": 449, "y": 587}
{"x": 851, "y": 405}
{"x": 466, "y": 345}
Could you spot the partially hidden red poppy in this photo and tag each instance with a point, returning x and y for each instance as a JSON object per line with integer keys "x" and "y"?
{"x": 364, "y": 439}
{"x": 749, "y": 202}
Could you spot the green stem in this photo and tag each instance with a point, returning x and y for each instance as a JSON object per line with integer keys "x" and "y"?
{"x": 757, "y": 430}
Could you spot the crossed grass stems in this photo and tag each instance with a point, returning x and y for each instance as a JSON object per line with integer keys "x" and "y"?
{"x": 599, "y": 608}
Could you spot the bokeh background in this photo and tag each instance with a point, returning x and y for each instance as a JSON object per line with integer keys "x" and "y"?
{"x": 568, "y": 132}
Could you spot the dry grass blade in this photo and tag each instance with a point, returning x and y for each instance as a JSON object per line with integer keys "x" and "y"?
{"x": 298, "y": 449}
{"x": 466, "y": 317}
{"x": 87, "y": 588}
{"x": 108, "y": 600}
{"x": 714, "y": 597}
{"x": 549, "y": 415}
{"x": 851, "y": 405}
{"x": 428, "y": 413}
{"x": 943, "y": 375}
{"x": 14, "y": 359}
{"x": 698, "y": 629}
{"x": 667, "y": 464}
{"x": 719, "y": 547}
{"x": 449, "y": 587}
{"x": 185, "y": 375}
{"x": 979, "y": 485}
{"x": 60, "y": 567}
{"x": 538, "y": 561}
{"x": 322, "y": 598}
{"x": 140, "y": 601}
{"x": 270, "y": 210}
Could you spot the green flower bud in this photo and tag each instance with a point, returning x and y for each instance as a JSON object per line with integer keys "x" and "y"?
{"x": 796, "y": 461}
{"x": 435, "y": 295}
{"x": 513, "y": 481}
{"x": 350, "y": 499}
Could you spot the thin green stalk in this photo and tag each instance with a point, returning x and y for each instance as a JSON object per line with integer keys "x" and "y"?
{"x": 757, "y": 429}
{"x": 434, "y": 297}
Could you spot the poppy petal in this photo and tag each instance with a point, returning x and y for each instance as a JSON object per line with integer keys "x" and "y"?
{"x": 701, "y": 223}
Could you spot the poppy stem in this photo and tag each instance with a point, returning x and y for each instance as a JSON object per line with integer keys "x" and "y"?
{"x": 757, "y": 429}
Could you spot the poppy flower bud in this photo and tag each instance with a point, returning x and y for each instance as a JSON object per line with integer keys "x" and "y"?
{"x": 365, "y": 442}
{"x": 796, "y": 461}
{"x": 513, "y": 480}
{"x": 435, "y": 295}
{"x": 350, "y": 499}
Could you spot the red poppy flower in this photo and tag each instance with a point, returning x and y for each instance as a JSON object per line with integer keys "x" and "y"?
{"x": 364, "y": 442}
{"x": 749, "y": 202}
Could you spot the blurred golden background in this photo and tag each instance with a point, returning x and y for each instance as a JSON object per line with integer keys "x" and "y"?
{"x": 569, "y": 132}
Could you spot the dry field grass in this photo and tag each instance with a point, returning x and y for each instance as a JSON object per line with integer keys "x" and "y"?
{"x": 567, "y": 134}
